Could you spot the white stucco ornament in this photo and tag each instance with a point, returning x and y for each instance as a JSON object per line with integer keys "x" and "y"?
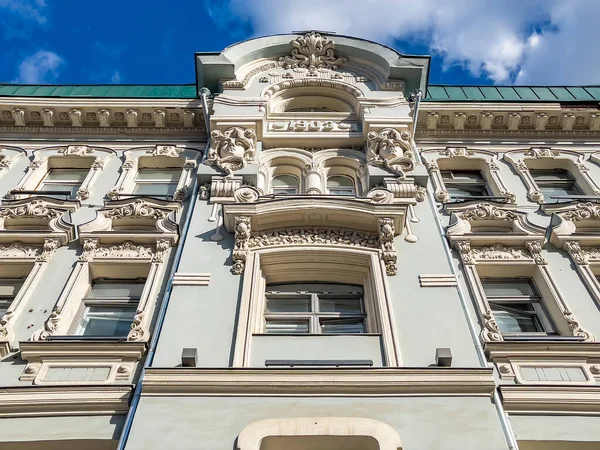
{"x": 312, "y": 51}
{"x": 232, "y": 149}
{"x": 390, "y": 148}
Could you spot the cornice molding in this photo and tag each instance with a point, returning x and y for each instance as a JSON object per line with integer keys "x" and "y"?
{"x": 564, "y": 400}
{"x": 542, "y": 350}
{"x": 319, "y": 382}
{"x": 44, "y": 401}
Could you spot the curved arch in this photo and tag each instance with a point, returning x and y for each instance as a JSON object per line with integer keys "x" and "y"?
{"x": 252, "y": 436}
{"x": 461, "y": 158}
{"x": 550, "y": 158}
{"x": 333, "y": 85}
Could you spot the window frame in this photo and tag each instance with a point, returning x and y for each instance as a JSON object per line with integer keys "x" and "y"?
{"x": 457, "y": 183}
{"x": 324, "y": 264}
{"x": 350, "y": 190}
{"x": 296, "y": 188}
{"x": 314, "y": 316}
{"x": 138, "y": 182}
{"x": 570, "y": 183}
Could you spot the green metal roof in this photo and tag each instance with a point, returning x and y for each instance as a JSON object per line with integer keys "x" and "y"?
{"x": 435, "y": 93}
{"x": 443, "y": 93}
{"x": 174, "y": 91}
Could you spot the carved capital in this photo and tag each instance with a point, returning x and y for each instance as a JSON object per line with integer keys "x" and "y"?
{"x": 577, "y": 254}
{"x": 386, "y": 231}
{"x": 464, "y": 250}
{"x": 535, "y": 248}
{"x": 240, "y": 249}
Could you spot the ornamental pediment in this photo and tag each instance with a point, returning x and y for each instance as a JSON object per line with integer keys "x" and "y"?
{"x": 579, "y": 222}
{"x": 489, "y": 223}
{"x": 144, "y": 219}
{"x": 34, "y": 219}
{"x": 311, "y": 211}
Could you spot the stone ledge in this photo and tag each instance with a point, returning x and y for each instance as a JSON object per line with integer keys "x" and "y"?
{"x": 551, "y": 399}
{"x": 318, "y": 382}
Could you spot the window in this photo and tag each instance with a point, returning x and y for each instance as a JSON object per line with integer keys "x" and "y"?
{"x": 465, "y": 183}
{"x": 66, "y": 180}
{"x": 340, "y": 185}
{"x": 314, "y": 308}
{"x": 554, "y": 182}
{"x": 517, "y": 306}
{"x": 156, "y": 182}
{"x": 285, "y": 184}
{"x": 9, "y": 288}
{"x": 109, "y": 307}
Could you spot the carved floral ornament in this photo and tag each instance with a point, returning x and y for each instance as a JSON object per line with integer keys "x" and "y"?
{"x": 139, "y": 209}
{"x": 37, "y": 209}
{"x": 127, "y": 250}
{"x": 312, "y": 51}
{"x": 390, "y": 148}
{"x": 246, "y": 241}
{"x": 232, "y": 149}
{"x": 532, "y": 251}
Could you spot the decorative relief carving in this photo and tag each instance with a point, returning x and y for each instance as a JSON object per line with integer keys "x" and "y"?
{"x": 491, "y": 332}
{"x": 76, "y": 150}
{"x": 386, "y": 239}
{"x": 246, "y": 194}
{"x": 165, "y": 150}
{"x": 139, "y": 209}
{"x": 535, "y": 248}
{"x": 453, "y": 152}
{"x": 314, "y": 236}
{"x": 576, "y": 252}
{"x": 574, "y": 326}
{"x": 18, "y": 116}
{"x": 499, "y": 251}
{"x": 583, "y": 211}
{"x": 242, "y": 237}
{"x": 232, "y": 150}
{"x": 541, "y": 152}
{"x": 50, "y": 246}
{"x": 126, "y": 250}
{"x": 486, "y": 211}
{"x": 76, "y": 116}
{"x": 312, "y": 126}
{"x": 391, "y": 148}
{"x": 131, "y": 117}
{"x": 18, "y": 250}
{"x": 464, "y": 249}
{"x": 37, "y": 209}
{"x": 312, "y": 50}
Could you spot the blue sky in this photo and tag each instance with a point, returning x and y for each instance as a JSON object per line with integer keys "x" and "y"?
{"x": 152, "y": 42}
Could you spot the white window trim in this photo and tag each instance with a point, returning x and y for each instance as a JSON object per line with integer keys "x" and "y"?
{"x": 251, "y": 437}
{"x": 287, "y": 263}
{"x": 33, "y": 261}
{"x": 460, "y": 158}
{"x": 495, "y": 260}
{"x": 550, "y": 158}
{"x": 312, "y": 169}
{"x": 167, "y": 156}
{"x": 73, "y": 156}
{"x": 118, "y": 260}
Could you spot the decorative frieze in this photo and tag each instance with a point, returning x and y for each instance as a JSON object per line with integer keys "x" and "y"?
{"x": 301, "y": 126}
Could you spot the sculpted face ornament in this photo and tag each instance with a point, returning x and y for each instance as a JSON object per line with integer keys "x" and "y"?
{"x": 390, "y": 148}
{"x": 231, "y": 150}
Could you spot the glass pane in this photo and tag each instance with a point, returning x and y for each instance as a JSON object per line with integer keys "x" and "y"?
{"x": 333, "y": 182}
{"x": 100, "y": 321}
{"x": 340, "y": 305}
{"x": 285, "y": 191}
{"x": 284, "y": 181}
{"x": 286, "y": 326}
{"x": 513, "y": 322}
{"x": 72, "y": 188}
{"x": 288, "y": 304}
{"x": 10, "y": 287}
{"x": 551, "y": 191}
{"x": 466, "y": 190}
{"x": 342, "y": 326}
{"x": 508, "y": 288}
{"x": 341, "y": 191}
{"x": 166, "y": 175}
{"x": 117, "y": 289}
{"x": 74, "y": 175}
{"x": 4, "y": 305}
{"x": 463, "y": 175}
{"x": 156, "y": 188}
{"x": 551, "y": 175}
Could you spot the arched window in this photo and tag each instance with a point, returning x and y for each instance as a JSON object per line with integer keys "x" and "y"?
{"x": 285, "y": 184}
{"x": 340, "y": 185}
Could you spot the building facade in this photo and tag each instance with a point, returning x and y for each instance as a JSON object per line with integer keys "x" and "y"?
{"x": 309, "y": 248}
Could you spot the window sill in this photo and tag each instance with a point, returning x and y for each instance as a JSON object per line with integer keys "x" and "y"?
{"x": 316, "y": 334}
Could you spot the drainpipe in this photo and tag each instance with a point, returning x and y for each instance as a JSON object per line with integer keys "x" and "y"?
{"x": 204, "y": 93}
{"x": 506, "y": 427}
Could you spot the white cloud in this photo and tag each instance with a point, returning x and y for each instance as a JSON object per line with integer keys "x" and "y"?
{"x": 115, "y": 77}
{"x": 32, "y": 10}
{"x": 530, "y": 41}
{"x": 41, "y": 67}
